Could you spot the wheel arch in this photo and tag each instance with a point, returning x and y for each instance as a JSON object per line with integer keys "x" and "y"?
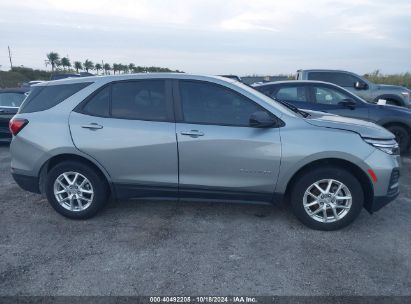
{"x": 393, "y": 97}
{"x": 59, "y": 158}
{"x": 358, "y": 173}
{"x": 397, "y": 123}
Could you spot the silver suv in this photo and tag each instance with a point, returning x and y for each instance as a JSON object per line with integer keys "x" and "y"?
{"x": 191, "y": 138}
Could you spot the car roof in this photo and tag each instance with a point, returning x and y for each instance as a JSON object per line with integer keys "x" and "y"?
{"x": 294, "y": 81}
{"x": 110, "y": 78}
{"x": 322, "y": 70}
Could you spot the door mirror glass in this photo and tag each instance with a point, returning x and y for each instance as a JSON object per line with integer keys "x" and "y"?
{"x": 360, "y": 85}
{"x": 262, "y": 119}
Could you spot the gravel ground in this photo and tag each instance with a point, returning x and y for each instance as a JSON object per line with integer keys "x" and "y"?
{"x": 149, "y": 248}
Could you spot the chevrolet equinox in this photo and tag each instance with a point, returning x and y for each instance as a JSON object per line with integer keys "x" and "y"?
{"x": 191, "y": 137}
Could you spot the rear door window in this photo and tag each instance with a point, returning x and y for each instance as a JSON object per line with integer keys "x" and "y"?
{"x": 99, "y": 104}
{"x": 291, "y": 93}
{"x": 45, "y": 97}
{"x": 141, "y": 100}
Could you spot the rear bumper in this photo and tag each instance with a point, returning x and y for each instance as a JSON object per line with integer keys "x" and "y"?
{"x": 28, "y": 183}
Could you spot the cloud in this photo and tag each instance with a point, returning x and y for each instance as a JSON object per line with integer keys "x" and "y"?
{"x": 213, "y": 36}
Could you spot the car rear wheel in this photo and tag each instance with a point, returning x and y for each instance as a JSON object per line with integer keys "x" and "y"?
{"x": 327, "y": 198}
{"x": 75, "y": 190}
{"x": 401, "y": 136}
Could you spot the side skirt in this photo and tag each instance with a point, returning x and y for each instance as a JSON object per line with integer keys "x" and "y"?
{"x": 132, "y": 191}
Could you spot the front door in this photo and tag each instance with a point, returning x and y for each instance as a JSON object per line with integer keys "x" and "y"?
{"x": 327, "y": 98}
{"x": 220, "y": 156}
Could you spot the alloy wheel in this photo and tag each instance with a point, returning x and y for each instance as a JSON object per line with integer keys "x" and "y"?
{"x": 73, "y": 191}
{"x": 327, "y": 200}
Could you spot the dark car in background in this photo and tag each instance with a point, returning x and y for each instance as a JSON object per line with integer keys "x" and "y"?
{"x": 372, "y": 92}
{"x": 10, "y": 101}
{"x": 327, "y": 97}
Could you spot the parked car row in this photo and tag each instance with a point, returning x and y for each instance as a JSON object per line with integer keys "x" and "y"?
{"x": 330, "y": 98}
{"x": 181, "y": 136}
{"x": 371, "y": 92}
{"x": 10, "y": 101}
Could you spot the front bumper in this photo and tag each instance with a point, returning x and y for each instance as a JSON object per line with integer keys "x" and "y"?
{"x": 392, "y": 193}
{"x": 28, "y": 183}
{"x": 380, "y": 202}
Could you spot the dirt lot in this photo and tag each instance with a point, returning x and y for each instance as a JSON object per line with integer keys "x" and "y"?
{"x": 149, "y": 248}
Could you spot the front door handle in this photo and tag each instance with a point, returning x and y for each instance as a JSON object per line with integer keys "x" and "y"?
{"x": 92, "y": 126}
{"x": 192, "y": 133}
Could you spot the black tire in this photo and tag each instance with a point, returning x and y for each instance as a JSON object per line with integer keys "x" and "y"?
{"x": 401, "y": 135}
{"x": 310, "y": 177}
{"x": 98, "y": 183}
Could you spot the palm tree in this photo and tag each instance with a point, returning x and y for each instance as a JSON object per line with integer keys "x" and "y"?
{"x": 78, "y": 66}
{"x": 58, "y": 65}
{"x": 88, "y": 65}
{"x": 106, "y": 68}
{"x": 124, "y": 68}
{"x": 98, "y": 67}
{"x": 116, "y": 68}
{"x": 53, "y": 58}
{"x": 65, "y": 62}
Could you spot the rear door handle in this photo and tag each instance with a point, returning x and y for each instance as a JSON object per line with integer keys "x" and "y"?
{"x": 192, "y": 133}
{"x": 92, "y": 126}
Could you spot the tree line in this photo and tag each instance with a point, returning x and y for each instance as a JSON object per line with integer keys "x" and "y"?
{"x": 58, "y": 63}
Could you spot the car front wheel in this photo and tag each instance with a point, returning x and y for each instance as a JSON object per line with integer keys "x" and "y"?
{"x": 327, "y": 198}
{"x": 401, "y": 136}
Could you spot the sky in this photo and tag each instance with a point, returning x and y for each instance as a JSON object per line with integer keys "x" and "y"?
{"x": 243, "y": 37}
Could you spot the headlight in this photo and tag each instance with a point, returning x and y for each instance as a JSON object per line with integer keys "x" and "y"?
{"x": 405, "y": 94}
{"x": 389, "y": 146}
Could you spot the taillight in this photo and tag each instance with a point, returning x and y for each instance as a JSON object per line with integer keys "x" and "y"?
{"x": 17, "y": 124}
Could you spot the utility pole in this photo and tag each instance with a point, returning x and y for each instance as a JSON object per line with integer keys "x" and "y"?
{"x": 11, "y": 62}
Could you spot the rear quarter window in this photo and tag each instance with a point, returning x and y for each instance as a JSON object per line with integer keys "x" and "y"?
{"x": 45, "y": 97}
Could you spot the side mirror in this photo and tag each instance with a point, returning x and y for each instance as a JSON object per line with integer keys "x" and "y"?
{"x": 348, "y": 103}
{"x": 359, "y": 85}
{"x": 262, "y": 119}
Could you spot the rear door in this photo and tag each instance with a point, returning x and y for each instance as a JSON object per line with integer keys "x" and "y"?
{"x": 220, "y": 156}
{"x": 128, "y": 127}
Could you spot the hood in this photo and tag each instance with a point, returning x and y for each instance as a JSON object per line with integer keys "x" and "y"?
{"x": 390, "y": 87}
{"x": 363, "y": 128}
{"x": 395, "y": 109}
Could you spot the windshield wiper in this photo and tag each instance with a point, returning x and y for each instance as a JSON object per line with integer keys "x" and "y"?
{"x": 293, "y": 108}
